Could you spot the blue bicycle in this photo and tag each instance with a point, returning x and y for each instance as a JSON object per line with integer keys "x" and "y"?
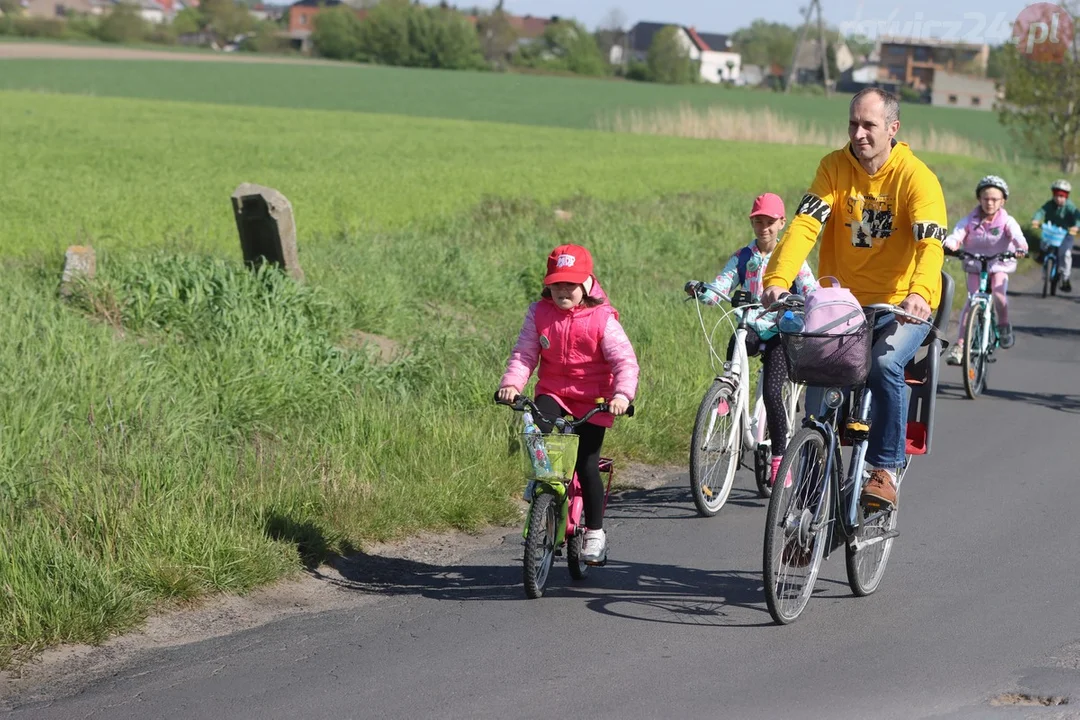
{"x": 1052, "y": 238}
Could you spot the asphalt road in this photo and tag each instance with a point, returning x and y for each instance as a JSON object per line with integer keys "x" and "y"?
{"x": 980, "y": 599}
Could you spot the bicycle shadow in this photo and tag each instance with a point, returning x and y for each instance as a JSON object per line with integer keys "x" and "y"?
{"x": 1047, "y": 332}
{"x": 1061, "y": 402}
{"x": 675, "y": 502}
{"x": 647, "y": 592}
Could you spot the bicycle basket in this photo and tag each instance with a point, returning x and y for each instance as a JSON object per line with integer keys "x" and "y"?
{"x": 1053, "y": 236}
{"x": 561, "y": 452}
{"x": 830, "y": 360}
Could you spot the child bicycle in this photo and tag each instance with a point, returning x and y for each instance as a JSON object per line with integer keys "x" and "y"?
{"x": 554, "y": 520}
{"x": 1052, "y": 237}
{"x": 724, "y": 425}
{"x": 815, "y": 505}
{"x": 981, "y": 332}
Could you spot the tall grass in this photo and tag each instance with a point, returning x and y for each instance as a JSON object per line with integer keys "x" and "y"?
{"x": 767, "y": 126}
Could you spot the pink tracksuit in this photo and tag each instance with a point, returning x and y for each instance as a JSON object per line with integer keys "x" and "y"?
{"x": 583, "y": 354}
{"x": 978, "y": 234}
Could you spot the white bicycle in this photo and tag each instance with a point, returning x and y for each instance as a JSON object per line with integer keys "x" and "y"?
{"x": 725, "y": 426}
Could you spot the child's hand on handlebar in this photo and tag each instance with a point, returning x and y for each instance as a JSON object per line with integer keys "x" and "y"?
{"x": 507, "y": 394}
{"x": 618, "y": 405}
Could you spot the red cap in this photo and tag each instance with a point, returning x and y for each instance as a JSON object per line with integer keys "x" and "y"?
{"x": 768, "y": 204}
{"x": 568, "y": 263}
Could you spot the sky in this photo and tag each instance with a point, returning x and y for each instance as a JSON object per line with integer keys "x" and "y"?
{"x": 961, "y": 20}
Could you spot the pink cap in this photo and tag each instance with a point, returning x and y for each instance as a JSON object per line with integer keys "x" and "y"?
{"x": 768, "y": 204}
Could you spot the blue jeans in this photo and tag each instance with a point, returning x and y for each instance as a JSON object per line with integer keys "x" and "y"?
{"x": 895, "y": 344}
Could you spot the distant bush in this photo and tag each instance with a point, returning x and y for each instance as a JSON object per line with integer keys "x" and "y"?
{"x": 337, "y": 33}
{"x": 123, "y": 25}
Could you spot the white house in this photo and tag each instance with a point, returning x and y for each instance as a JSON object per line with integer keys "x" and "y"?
{"x": 713, "y": 52}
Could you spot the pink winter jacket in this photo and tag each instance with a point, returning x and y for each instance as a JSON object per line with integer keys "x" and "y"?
{"x": 977, "y": 234}
{"x": 583, "y": 354}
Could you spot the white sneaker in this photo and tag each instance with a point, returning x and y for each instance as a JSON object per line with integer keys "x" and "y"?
{"x": 956, "y": 355}
{"x": 595, "y": 546}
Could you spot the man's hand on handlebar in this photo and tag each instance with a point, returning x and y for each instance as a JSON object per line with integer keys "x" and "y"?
{"x": 915, "y": 304}
{"x": 507, "y": 394}
{"x": 772, "y": 295}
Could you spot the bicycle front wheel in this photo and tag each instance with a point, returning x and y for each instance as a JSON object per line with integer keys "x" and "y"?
{"x": 794, "y": 540}
{"x": 1048, "y": 273}
{"x": 715, "y": 447}
{"x": 974, "y": 362}
{"x": 540, "y": 544}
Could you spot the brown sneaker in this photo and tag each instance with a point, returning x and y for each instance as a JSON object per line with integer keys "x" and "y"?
{"x": 879, "y": 491}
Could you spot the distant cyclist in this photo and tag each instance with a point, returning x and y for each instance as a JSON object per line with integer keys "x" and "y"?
{"x": 1060, "y": 211}
{"x": 988, "y": 230}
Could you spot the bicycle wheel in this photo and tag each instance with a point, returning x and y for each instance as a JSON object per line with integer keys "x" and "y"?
{"x": 715, "y": 447}
{"x": 974, "y": 361}
{"x": 793, "y": 548}
{"x": 540, "y": 544}
{"x": 1048, "y": 271}
{"x": 1054, "y": 281}
{"x": 868, "y": 552}
{"x": 579, "y": 569}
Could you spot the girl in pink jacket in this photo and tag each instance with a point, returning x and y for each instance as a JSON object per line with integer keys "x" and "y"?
{"x": 988, "y": 230}
{"x": 574, "y": 334}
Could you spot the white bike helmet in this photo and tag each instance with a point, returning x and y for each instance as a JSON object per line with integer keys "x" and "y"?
{"x": 1062, "y": 185}
{"x": 995, "y": 182}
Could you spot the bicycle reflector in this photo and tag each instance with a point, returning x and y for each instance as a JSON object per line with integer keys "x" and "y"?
{"x": 834, "y": 398}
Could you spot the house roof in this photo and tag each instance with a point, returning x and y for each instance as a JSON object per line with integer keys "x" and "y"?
{"x": 927, "y": 42}
{"x": 809, "y": 55}
{"x": 716, "y": 42}
{"x": 316, "y": 3}
{"x": 527, "y": 25}
{"x": 641, "y": 35}
{"x": 959, "y": 83}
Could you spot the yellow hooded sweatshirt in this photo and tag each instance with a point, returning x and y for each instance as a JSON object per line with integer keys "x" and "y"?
{"x": 883, "y": 232}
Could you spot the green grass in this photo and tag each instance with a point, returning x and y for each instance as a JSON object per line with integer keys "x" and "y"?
{"x": 509, "y": 98}
{"x": 185, "y": 427}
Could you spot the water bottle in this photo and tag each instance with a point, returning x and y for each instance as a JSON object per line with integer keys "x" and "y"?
{"x": 791, "y": 322}
{"x": 534, "y": 443}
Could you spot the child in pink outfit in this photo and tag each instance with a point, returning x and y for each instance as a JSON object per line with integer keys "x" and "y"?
{"x": 574, "y": 334}
{"x": 988, "y": 230}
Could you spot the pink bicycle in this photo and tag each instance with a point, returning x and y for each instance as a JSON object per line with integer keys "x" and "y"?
{"x": 553, "y": 523}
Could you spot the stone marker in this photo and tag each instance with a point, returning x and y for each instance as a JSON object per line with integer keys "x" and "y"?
{"x": 79, "y": 261}
{"x": 264, "y": 218}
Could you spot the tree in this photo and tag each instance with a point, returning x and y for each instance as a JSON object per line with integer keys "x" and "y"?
{"x": 384, "y": 35}
{"x": 123, "y": 24}
{"x": 565, "y": 45}
{"x": 396, "y": 32}
{"x": 765, "y": 43}
{"x": 498, "y": 38}
{"x": 1042, "y": 105}
{"x": 669, "y": 60}
{"x": 337, "y": 33}
{"x": 611, "y": 32}
{"x": 187, "y": 21}
{"x": 225, "y": 19}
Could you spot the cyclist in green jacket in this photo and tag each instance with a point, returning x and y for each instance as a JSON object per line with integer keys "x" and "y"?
{"x": 1060, "y": 211}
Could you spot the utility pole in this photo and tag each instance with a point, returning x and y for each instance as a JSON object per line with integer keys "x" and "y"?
{"x": 814, "y": 5}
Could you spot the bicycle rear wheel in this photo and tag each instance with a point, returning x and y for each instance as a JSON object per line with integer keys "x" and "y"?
{"x": 974, "y": 361}
{"x": 868, "y": 552}
{"x": 714, "y": 452}
{"x": 540, "y": 544}
{"x": 793, "y": 546}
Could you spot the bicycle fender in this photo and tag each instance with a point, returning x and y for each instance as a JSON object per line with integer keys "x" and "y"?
{"x": 557, "y": 489}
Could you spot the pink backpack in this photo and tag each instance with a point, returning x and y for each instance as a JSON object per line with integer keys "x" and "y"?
{"x": 832, "y": 310}
{"x": 833, "y": 348}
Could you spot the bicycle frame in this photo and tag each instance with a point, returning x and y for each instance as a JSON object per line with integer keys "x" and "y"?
{"x": 571, "y": 502}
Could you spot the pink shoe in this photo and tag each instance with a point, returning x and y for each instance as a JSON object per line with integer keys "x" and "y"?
{"x": 775, "y": 469}
{"x": 722, "y": 407}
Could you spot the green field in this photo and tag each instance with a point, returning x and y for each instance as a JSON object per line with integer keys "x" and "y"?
{"x": 495, "y": 97}
{"x": 182, "y": 427}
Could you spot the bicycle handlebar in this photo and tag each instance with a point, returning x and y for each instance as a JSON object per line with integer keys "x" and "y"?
{"x": 792, "y": 301}
{"x": 521, "y": 402}
{"x": 965, "y": 255}
{"x": 698, "y": 287}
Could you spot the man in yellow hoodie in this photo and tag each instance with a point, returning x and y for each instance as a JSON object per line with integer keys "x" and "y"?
{"x": 883, "y": 214}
